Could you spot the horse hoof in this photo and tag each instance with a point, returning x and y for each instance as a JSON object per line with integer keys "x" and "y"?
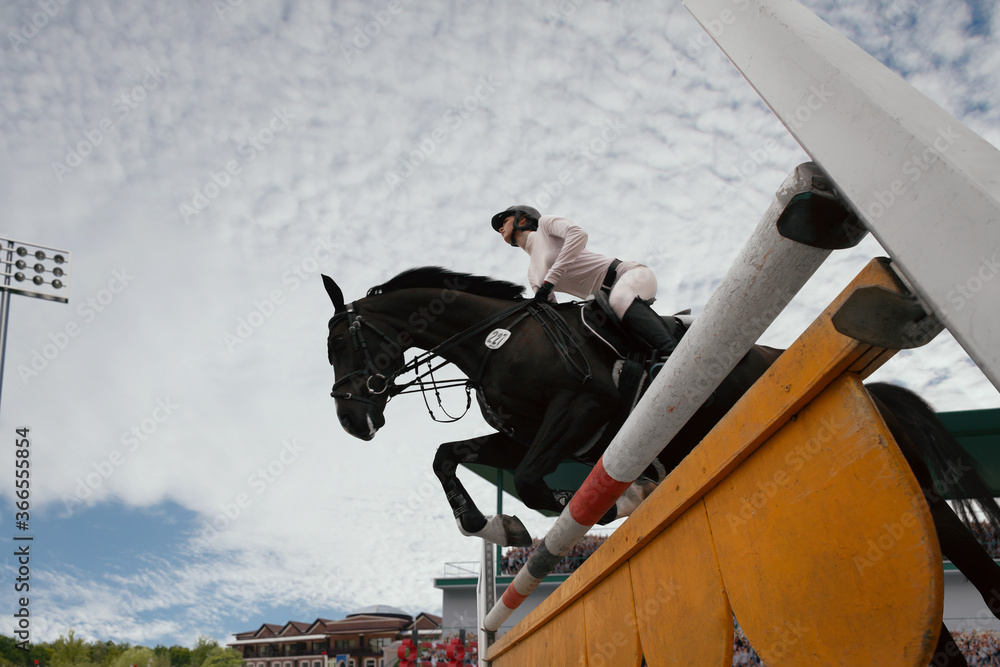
{"x": 503, "y": 530}
{"x": 517, "y": 534}
{"x": 634, "y": 496}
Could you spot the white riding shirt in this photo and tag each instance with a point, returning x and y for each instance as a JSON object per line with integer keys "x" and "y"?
{"x": 558, "y": 255}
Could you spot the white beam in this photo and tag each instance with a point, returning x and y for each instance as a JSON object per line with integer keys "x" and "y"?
{"x": 926, "y": 186}
{"x": 486, "y": 597}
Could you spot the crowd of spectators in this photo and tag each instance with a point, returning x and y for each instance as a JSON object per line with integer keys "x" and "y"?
{"x": 515, "y": 557}
{"x": 743, "y": 653}
{"x": 980, "y": 648}
{"x": 439, "y": 657}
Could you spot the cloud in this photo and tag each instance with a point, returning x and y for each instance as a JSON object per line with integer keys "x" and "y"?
{"x": 278, "y": 124}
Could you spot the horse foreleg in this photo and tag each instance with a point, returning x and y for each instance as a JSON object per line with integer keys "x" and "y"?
{"x": 493, "y": 450}
{"x": 571, "y": 419}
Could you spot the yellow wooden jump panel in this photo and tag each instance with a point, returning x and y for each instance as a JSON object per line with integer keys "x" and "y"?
{"x": 825, "y": 544}
{"x": 680, "y": 600}
{"x": 797, "y": 512}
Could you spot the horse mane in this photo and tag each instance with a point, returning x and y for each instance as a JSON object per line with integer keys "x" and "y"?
{"x": 436, "y": 276}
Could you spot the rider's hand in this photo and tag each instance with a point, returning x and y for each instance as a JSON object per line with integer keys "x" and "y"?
{"x": 544, "y": 292}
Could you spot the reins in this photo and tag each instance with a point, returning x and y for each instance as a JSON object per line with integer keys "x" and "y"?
{"x": 558, "y": 332}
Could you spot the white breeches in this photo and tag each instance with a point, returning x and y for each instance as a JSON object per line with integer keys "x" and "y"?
{"x": 638, "y": 282}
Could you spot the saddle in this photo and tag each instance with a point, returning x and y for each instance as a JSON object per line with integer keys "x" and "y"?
{"x": 604, "y": 324}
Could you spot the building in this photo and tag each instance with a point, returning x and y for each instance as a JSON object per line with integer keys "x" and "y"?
{"x": 359, "y": 640}
{"x": 458, "y": 586}
{"x": 459, "y": 599}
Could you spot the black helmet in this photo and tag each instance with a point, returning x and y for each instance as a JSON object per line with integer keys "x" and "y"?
{"x": 522, "y": 213}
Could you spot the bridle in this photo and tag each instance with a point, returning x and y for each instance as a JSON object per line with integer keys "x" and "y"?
{"x": 378, "y": 384}
{"x": 386, "y": 383}
{"x": 360, "y": 345}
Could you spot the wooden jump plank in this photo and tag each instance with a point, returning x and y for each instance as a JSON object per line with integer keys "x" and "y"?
{"x": 815, "y": 573}
{"x": 680, "y": 603}
{"x": 612, "y": 635}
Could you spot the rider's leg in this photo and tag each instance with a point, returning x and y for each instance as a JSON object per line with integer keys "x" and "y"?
{"x": 629, "y": 299}
{"x": 644, "y": 323}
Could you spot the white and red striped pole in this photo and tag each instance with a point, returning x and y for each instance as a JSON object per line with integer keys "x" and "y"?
{"x": 763, "y": 279}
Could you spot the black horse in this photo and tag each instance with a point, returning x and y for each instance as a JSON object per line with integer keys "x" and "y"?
{"x": 546, "y": 384}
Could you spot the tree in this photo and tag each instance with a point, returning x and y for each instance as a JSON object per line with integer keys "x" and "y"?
{"x": 9, "y": 653}
{"x": 201, "y": 650}
{"x": 137, "y": 655}
{"x": 223, "y": 657}
{"x": 180, "y": 656}
{"x": 103, "y": 654}
{"x": 70, "y": 652}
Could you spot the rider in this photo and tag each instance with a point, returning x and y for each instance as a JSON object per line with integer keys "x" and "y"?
{"x": 559, "y": 260}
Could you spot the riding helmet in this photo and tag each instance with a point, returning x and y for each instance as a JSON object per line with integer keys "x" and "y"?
{"x": 522, "y": 213}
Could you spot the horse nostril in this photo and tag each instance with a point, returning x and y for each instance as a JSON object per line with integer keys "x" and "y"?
{"x": 345, "y": 421}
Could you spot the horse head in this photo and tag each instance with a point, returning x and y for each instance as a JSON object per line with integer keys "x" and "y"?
{"x": 365, "y": 360}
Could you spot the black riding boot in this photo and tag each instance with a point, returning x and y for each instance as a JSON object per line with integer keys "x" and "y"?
{"x": 643, "y": 322}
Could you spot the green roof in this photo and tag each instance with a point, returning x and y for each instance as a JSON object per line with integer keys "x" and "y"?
{"x": 978, "y": 431}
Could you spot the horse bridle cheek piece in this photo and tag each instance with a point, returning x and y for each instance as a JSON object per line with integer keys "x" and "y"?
{"x": 360, "y": 346}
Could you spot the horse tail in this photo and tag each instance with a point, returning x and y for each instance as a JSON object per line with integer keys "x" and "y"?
{"x": 951, "y": 466}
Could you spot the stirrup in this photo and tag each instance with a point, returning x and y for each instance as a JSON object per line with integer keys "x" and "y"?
{"x": 657, "y": 366}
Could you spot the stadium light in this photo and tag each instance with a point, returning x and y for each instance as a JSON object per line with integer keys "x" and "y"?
{"x": 30, "y": 270}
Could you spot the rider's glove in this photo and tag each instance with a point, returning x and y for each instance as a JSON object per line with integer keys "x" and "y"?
{"x": 544, "y": 292}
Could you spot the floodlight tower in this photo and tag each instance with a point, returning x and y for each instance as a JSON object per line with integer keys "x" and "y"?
{"x": 30, "y": 270}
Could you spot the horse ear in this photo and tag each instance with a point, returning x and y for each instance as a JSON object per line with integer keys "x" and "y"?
{"x": 336, "y": 295}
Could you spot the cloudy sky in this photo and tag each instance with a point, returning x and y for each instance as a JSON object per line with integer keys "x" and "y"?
{"x": 204, "y": 162}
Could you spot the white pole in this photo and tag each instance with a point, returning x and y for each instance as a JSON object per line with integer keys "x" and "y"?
{"x": 486, "y": 595}
{"x": 926, "y": 186}
{"x": 4, "y": 318}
